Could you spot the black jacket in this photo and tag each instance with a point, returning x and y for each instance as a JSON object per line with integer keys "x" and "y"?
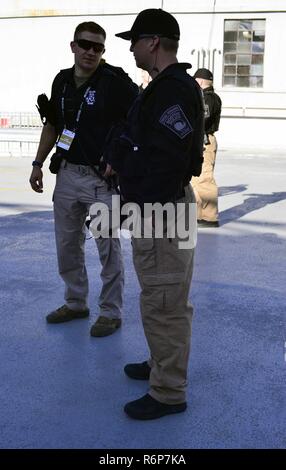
{"x": 111, "y": 94}
{"x": 161, "y": 145}
{"x": 212, "y": 110}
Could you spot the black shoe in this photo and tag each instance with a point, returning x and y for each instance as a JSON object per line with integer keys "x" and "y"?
{"x": 149, "y": 408}
{"x": 64, "y": 314}
{"x": 105, "y": 326}
{"x": 139, "y": 371}
{"x": 207, "y": 223}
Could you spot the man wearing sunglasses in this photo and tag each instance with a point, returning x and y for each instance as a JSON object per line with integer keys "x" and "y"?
{"x": 165, "y": 130}
{"x": 86, "y": 101}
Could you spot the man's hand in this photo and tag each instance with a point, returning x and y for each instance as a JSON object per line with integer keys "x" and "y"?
{"x": 36, "y": 179}
{"x": 108, "y": 171}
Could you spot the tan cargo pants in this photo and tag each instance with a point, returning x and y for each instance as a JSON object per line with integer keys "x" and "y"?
{"x": 205, "y": 187}
{"x": 77, "y": 188}
{"x": 165, "y": 272}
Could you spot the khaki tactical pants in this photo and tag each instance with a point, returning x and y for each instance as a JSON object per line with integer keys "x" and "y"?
{"x": 205, "y": 187}
{"x": 77, "y": 188}
{"x": 165, "y": 272}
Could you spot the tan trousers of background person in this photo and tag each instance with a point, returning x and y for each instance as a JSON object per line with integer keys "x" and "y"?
{"x": 165, "y": 272}
{"x": 205, "y": 187}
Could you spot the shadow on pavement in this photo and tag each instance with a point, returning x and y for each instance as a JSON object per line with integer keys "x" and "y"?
{"x": 252, "y": 203}
{"x": 226, "y": 190}
{"x": 24, "y": 208}
{"x": 60, "y": 388}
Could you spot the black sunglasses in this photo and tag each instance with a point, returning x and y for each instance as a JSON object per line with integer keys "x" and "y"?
{"x": 87, "y": 45}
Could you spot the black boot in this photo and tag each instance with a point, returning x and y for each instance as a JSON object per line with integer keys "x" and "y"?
{"x": 138, "y": 371}
{"x": 149, "y": 408}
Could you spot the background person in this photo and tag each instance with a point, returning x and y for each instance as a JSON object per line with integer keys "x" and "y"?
{"x": 86, "y": 101}
{"x": 205, "y": 187}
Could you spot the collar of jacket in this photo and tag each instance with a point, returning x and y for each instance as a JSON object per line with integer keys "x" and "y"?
{"x": 174, "y": 67}
{"x": 209, "y": 89}
{"x": 68, "y": 74}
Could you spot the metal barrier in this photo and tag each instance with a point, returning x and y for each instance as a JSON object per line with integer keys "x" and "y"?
{"x": 33, "y": 121}
{"x": 19, "y": 120}
{"x": 18, "y": 148}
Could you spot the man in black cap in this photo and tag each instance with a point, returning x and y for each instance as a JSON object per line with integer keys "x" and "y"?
{"x": 156, "y": 155}
{"x": 205, "y": 187}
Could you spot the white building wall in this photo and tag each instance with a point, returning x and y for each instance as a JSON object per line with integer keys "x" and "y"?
{"x": 34, "y": 46}
{"x": 110, "y": 7}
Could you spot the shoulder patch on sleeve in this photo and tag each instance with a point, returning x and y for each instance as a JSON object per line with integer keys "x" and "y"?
{"x": 175, "y": 119}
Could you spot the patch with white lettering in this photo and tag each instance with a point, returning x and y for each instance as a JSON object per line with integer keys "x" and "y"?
{"x": 175, "y": 119}
{"x": 90, "y": 99}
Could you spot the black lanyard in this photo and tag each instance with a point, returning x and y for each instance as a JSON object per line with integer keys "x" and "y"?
{"x": 80, "y": 108}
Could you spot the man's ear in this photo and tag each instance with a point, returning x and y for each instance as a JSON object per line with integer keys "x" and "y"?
{"x": 155, "y": 43}
{"x": 72, "y": 44}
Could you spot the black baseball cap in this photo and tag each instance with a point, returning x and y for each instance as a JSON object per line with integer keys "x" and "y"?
{"x": 153, "y": 21}
{"x": 204, "y": 73}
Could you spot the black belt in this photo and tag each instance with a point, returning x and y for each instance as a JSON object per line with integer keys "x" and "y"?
{"x": 83, "y": 164}
{"x": 81, "y": 168}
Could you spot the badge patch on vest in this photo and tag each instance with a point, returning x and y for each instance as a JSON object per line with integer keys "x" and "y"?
{"x": 207, "y": 111}
{"x": 175, "y": 119}
{"x": 90, "y": 98}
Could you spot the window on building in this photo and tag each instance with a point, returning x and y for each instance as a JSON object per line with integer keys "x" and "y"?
{"x": 243, "y": 53}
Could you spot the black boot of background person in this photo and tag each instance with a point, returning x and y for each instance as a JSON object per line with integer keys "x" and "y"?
{"x": 207, "y": 223}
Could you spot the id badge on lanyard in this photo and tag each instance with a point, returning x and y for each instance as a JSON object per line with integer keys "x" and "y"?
{"x": 66, "y": 139}
{"x": 67, "y": 136}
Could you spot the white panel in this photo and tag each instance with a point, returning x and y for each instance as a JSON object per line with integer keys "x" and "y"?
{"x": 39, "y": 48}
{"x": 74, "y": 7}
{"x": 84, "y": 7}
{"x": 251, "y": 133}
{"x": 198, "y": 33}
{"x": 223, "y": 5}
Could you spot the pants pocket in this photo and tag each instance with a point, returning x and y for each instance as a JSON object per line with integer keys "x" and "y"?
{"x": 144, "y": 254}
{"x": 174, "y": 260}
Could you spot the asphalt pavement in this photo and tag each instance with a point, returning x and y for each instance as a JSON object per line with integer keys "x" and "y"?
{"x": 61, "y": 388}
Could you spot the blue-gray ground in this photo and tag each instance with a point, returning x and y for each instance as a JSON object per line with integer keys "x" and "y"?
{"x": 60, "y": 388}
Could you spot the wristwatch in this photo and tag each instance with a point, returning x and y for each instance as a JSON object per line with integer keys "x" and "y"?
{"x": 36, "y": 163}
